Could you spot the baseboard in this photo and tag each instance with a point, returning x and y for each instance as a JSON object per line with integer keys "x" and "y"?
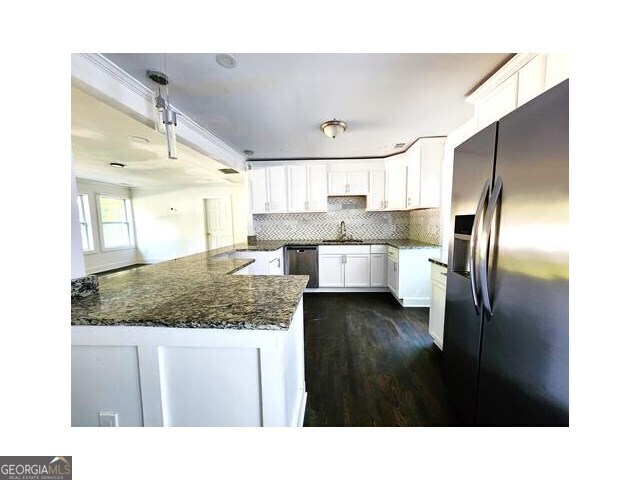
{"x": 346, "y": 290}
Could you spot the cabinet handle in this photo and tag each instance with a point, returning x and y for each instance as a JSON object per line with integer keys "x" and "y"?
{"x": 443, "y": 273}
{"x": 386, "y": 204}
{"x": 348, "y": 188}
{"x": 409, "y": 200}
{"x": 381, "y": 204}
{"x": 306, "y": 205}
{"x": 266, "y": 206}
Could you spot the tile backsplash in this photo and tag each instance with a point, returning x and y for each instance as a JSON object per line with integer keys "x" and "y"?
{"x": 326, "y": 225}
{"x": 424, "y": 225}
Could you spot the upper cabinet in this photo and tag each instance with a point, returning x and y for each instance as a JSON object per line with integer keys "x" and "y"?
{"x": 521, "y": 79}
{"x": 376, "y": 200}
{"x": 307, "y": 190}
{"x": 268, "y": 189}
{"x": 353, "y": 182}
{"x": 396, "y": 186}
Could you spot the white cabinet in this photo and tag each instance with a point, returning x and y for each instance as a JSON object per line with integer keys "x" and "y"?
{"x": 396, "y": 187}
{"x": 378, "y": 265}
{"x": 268, "y": 189}
{"x": 307, "y": 190}
{"x": 330, "y": 270}
{"x": 344, "y": 266}
{"x": 531, "y": 79}
{"x": 412, "y": 161}
{"x": 348, "y": 183}
{"x": 409, "y": 275}
{"x": 376, "y": 198}
{"x": 502, "y": 100}
{"x": 266, "y": 262}
{"x": 438, "y": 301}
{"x": 556, "y": 70}
{"x": 393, "y": 272}
{"x": 431, "y": 159}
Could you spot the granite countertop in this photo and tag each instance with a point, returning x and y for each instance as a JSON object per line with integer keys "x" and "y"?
{"x": 196, "y": 291}
{"x": 270, "y": 245}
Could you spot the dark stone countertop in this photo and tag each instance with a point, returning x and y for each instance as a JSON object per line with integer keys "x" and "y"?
{"x": 438, "y": 262}
{"x": 271, "y": 245}
{"x": 196, "y": 291}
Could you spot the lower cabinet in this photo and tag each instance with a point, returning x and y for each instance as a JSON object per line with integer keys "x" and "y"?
{"x": 266, "y": 262}
{"x": 438, "y": 300}
{"x": 409, "y": 275}
{"x": 344, "y": 266}
{"x": 378, "y": 265}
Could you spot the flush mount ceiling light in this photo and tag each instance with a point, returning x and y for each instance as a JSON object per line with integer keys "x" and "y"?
{"x": 333, "y": 127}
{"x": 225, "y": 60}
{"x": 117, "y": 165}
{"x": 166, "y": 119}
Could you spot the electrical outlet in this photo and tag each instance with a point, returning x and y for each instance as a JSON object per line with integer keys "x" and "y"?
{"x": 107, "y": 419}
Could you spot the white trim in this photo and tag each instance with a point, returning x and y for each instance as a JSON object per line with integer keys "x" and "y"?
{"x": 506, "y": 71}
{"x": 98, "y": 76}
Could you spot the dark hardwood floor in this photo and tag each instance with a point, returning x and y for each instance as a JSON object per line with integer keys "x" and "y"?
{"x": 370, "y": 362}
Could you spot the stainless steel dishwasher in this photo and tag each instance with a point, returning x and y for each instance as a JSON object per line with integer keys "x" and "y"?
{"x": 302, "y": 260}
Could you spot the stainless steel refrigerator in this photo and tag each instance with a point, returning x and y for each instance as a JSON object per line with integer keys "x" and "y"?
{"x": 506, "y": 336}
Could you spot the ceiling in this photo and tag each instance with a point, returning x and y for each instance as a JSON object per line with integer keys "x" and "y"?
{"x": 100, "y": 134}
{"x": 273, "y": 104}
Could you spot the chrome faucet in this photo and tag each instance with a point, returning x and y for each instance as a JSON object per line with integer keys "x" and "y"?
{"x": 343, "y": 231}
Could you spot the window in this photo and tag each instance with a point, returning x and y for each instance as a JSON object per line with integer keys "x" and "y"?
{"x": 85, "y": 223}
{"x": 115, "y": 217}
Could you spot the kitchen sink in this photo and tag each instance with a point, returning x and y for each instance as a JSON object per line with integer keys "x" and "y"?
{"x": 342, "y": 241}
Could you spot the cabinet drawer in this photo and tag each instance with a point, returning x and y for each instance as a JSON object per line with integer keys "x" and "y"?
{"x": 342, "y": 249}
{"x": 378, "y": 249}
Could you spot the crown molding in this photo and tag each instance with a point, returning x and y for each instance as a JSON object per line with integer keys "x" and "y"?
{"x": 100, "y": 77}
{"x": 512, "y": 66}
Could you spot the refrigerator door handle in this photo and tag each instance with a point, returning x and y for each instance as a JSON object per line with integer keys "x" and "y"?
{"x": 484, "y": 252}
{"x": 482, "y": 203}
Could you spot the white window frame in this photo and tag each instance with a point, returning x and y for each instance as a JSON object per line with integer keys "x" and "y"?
{"x": 129, "y": 222}
{"x": 85, "y": 214}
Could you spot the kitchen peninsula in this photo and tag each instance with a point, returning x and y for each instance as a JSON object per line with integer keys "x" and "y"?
{"x": 189, "y": 342}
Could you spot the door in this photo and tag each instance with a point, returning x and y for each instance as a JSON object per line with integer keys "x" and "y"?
{"x": 396, "y": 183}
{"x": 524, "y": 367}
{"x": 375, "y": 199}
{"x": 297, "y": 188}
{"x": 472, "y": 168}
{"x": 331, "y": 270}
{"x": 258, "y": 183}
{"x": 337, "y": 183}
{"x": 277, "y": 181}
{"x": 219, "y": 222}
{"x": 356, "y": 270}
{"x": 317, "y": 187}
{"x": 378, "y": 270}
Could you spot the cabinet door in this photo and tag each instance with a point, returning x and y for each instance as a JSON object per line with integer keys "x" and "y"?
{"x": 393, "y": 275}
{"x": 358, "y": 183}
{"x": 531, "y": 79}
{"x": 331, "y": 270}
{"x": 297, "y": 192}
{"x": 376, "y": 198}
{"x": 378, "y": 269}
{"x": 258, "y": 183}
{"x": 317, "y": 188}
{"x": 502, "y": 100}
{"x": 431, "y": 158}
{"x": 337, "y": 183}
{"x": 356, "y": 270}
{"x": 556, "y": 70}
{"x": 413, "y": 177}
{"x": 277, "y": 181}
{"x": 436, "y": 312}
{"x": 396, "y": 184}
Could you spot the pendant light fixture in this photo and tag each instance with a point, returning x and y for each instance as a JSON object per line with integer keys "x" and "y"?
{"x": 166, "y": 118}
{"x": 333, "y": 127}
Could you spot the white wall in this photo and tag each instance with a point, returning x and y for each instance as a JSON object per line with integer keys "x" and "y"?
{"x": 100, "y": 259}
{"x": 170, "y": 221}
{"x": 77, "y": 257}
